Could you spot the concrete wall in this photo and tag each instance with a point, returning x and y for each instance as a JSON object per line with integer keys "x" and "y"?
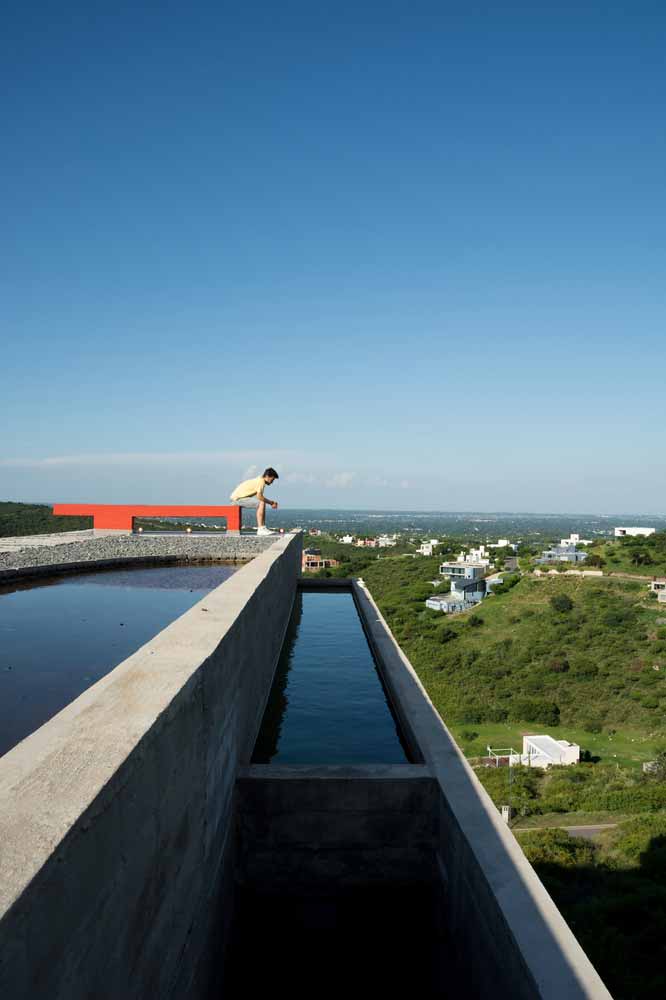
{"x": 116, "y": 817}
{"x": 509, "y": 936}
{"x": 312, "y": 829}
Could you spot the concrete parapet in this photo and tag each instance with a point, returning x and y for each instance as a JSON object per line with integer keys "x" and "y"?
{"x": 116, "y": 816}
{"x": 510, "y": 937}
{"x": 115, "y": 550}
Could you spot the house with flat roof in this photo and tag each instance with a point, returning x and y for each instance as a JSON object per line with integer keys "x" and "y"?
{"x": 633, "y": 532}
{"x": 464, "y": 595}
{"x": 658, "y": 587}
{"x": 462, "y": 571}
{"x": 562, "y": 553}
{"x": 449, "y": 604}
{"x": 538, "y": 751}
{"x": 575, "y": 539}
{"x": 544, "y": 751}
{"x": 312, "y": 560}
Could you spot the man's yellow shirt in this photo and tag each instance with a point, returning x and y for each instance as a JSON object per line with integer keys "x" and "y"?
{"x": 249, "y": 488}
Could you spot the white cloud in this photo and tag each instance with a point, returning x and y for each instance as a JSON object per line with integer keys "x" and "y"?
{"x": 302, "y": 478}
{"x": 251, "y": 471}
{"x": 340, "y": 481}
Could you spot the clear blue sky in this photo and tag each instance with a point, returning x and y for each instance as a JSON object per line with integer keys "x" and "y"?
{"x": 411, "y": 254}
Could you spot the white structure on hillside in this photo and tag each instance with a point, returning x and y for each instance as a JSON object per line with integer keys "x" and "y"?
{"x": 658, "y": 585}
{"x": 634, "y": 532}
{"x": 539, "y": 751}
{"x": 504, "y": 543}
{"x": 347, "y": 539}
{"x": 386, "y": 541}
{"x": 427, "y": 548}
{"x": 542, "y": 751}
{"x": 575, "y": 539}
{"x": 462, "y": 570}
{"x": 478, "y": 557}
{"x": 562, "y": 553}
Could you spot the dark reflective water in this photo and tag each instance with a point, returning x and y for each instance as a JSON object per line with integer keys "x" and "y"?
{"x": 327, "y": 704}
{"x": 60, "y": 635}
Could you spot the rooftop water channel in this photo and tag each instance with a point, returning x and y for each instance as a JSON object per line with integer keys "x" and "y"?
{"x": 61, "y": 634}
{"x": 324, "y": 888}
{"x": 328, "y": 704}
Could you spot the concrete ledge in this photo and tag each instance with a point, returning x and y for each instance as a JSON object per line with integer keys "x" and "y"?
{"x": 116, "y": 817}
{"x": 512, "y": 940}
{"x": 91, "y": 553}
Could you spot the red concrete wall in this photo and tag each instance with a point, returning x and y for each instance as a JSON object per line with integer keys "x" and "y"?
{"x": 120, "y": 517}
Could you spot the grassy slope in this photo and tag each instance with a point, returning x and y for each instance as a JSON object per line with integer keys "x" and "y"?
{"x": 595, "y": 663}
{"x": 618, "y": 558}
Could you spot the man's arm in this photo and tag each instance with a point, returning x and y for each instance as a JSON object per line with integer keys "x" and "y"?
{"x": 262, "y": 499}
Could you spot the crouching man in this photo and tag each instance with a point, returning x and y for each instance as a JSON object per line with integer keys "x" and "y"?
{"x": 251, "y": 494}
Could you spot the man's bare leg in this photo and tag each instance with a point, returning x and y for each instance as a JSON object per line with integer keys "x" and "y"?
{"x": 261, "y": 514}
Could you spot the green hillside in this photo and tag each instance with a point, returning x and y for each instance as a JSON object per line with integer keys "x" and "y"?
{"x": 36, "y": 519}
{"x": 644, "y": 556}
{"x": 556, "y": 651}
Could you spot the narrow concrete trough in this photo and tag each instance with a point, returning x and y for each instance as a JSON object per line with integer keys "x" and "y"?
{"x": 142, "y": 855}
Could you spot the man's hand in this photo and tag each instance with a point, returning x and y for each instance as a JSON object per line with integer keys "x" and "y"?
{"x": 273, "y": 504}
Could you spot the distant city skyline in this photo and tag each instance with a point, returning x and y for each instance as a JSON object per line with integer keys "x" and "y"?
{"x": 413, "y": 257}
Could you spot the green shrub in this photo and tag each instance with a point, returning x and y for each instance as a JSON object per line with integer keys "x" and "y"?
{"x": 561, "y": 603}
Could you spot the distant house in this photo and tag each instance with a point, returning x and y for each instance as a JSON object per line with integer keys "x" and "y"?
{"x": 427, "y": 548}
{"x": 634, "y": 532}
{"x": 575, "y": 539}
{"x": 465, "y": 595}
{"x": 469, "y": 590}
{"x": 387, "y": 541}
{"x": 478, "y": 557}
{"x": 347, "y": 539}
{"x": 543, "y": 751}
{"x": 504, "y": 543}
{"x": 562, "y": 553}
{"x": 462, "y": 571}
{"x": 538, "y": 751}
{"x": 449, "y": 604}
{"x": 311, "y": 561}
{"x": 658, "y": 586}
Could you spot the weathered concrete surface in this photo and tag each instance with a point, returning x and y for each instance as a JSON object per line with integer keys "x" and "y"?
{"x": 512, "y": 940}
{"x": 313, "y": 829}
{"x": 116, "y": 817}
{"x": 117, "y": 549}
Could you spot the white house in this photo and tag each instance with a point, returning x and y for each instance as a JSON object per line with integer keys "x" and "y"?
{"x": 347, "y": 539}
{"x": 543, "y": 751}
{"x": 634, "y": 532}
{"x": 427, "y": 548}
{"x": 462, "y": 571}
{"x": 386, "y": 541}
{"x": 504, "y": 543}
{"x": 575, "y": 539}
{"x": 449, "y": 604}
{"x": 479, "y": 557}
{"x": 658, "y": 586}
{"x": 539, "y": 751}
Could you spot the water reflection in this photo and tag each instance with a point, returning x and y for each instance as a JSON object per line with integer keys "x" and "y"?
{"x": 59, "y": 635}
{"x": 327, "y": 704}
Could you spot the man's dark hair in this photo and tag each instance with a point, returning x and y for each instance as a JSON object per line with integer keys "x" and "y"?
{"x": 271, "y": 472}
